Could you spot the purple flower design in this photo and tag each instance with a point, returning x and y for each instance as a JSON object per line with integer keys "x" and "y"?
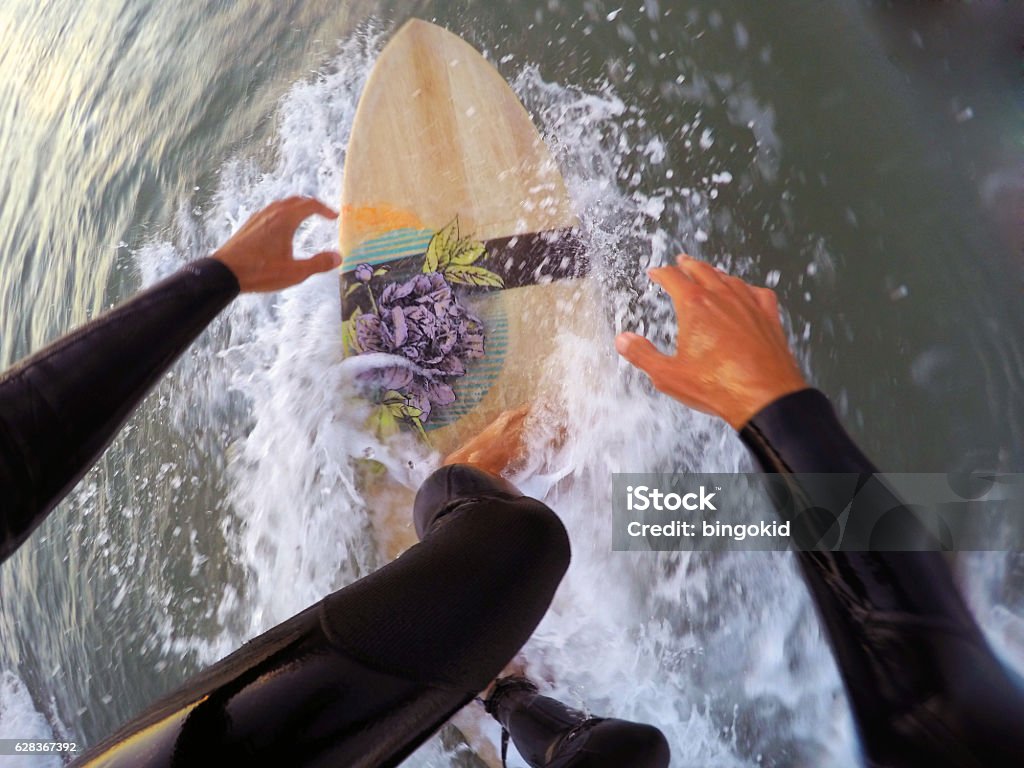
{"x": 364, "y": 273}
{"x": 423, "y": 321}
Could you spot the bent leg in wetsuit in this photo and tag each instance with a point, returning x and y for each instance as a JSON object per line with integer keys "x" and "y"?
{"x": 366, "y": 675}
{"x": 547, "y": 733}
{"x": 369, "y": 673}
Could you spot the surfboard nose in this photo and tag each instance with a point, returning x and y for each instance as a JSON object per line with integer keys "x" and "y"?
{"x": 439, "y": 133}
{"x": 416, "y": 26}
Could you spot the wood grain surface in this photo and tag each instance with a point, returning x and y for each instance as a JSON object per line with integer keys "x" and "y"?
{"x": 439, "y": 133}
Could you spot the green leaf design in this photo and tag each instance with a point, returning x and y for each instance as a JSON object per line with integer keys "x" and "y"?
{"x": 410, "y": 416}
{"x": 395, "y": 410}
{"x": 352, "y": 289}
{"x": 418, "y": 426}
{"x": 372, "y": 467}
{"x": 393, "y": 398}
{"x": 442, "y": 244}
{"x": 467, "y": 252}
{"x": 347, "y": 337}
{"x": 474, "y": 276}
{"x": 349, "y": 341}
{"x": 387, "y": 424}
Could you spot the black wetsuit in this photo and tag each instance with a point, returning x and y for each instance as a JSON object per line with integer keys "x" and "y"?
{"x": 367, "y": 674}
{"x": 363, "y": 677}
{"x": 548, "y": 734}
{"x": 61, "y": 407}
{"x": 924, "y": 686}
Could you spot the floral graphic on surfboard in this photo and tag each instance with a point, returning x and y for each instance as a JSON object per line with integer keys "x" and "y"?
{"x": 422, "y": 320}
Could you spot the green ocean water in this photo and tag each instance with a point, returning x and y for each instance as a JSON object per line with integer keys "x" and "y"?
{"x": 863, "y": 157}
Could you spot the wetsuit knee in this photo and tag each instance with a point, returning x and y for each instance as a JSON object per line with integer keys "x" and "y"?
{"x": 452, "y": 484}
{"x": 518, "y": 534}
{"x": 456, "y": 608}
{"x": 365, "y": 675}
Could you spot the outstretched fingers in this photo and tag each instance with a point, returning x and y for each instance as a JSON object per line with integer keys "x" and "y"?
{"x": 516, "y": 415}
{"x": 732, "y": 357}
{"x": 324, "y": 261}
{"x": 640, "y": 352}
{"x": 700, "y": 272}
{"x": 677, "y": 284}
{"x": 767, "y": 301}
{"x": 712, "y": 279}
{"x": 297, "y": 209}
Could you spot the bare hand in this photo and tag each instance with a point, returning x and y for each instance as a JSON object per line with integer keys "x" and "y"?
{"x": 494, "y": 449}
{"x": 260, "y": 253}
{"x": 732, "y": 358}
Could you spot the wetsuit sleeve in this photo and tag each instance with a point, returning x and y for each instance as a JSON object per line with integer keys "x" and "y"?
{"x": 923, "y": 684}
{"x": 60, "y": 408}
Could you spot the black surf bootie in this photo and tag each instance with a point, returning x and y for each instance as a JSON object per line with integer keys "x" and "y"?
{"x": 548, "y": 734}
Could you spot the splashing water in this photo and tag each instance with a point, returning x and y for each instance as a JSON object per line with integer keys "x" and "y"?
{"x": 721, "y": 652}
{"x": 229, "y": 503}
{"x": 19, "y": 716}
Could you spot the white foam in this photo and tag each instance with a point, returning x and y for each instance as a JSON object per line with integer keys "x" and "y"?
{"x": 19, "y": 719}
{"x": 718, "y": 652}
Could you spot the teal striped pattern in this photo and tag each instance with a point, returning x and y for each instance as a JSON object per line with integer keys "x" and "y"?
{"x": 396, "y": 244}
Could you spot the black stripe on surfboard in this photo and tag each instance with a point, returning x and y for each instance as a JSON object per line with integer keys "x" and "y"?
{"x": 536, "y": 258}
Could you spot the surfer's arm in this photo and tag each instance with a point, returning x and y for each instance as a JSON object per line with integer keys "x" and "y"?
{"x": 923, "y": 684}
{"x": 61, "y": 407}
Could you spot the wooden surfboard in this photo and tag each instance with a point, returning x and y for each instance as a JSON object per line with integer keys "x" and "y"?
{"x": 460, "y": 258}
{"x": 458, "y": 237}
